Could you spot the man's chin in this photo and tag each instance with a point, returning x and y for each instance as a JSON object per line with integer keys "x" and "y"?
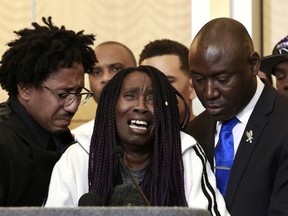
{"x": 59, "y": 128}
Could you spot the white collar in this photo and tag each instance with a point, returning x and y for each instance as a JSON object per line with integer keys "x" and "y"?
{"x": 245, "y": 114}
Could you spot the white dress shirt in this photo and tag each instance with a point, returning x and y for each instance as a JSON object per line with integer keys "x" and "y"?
{"x": 243, "y": 118}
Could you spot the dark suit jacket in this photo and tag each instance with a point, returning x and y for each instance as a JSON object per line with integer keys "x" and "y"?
{"x": 258, "y": 183}
{"x": 25, "y": 166}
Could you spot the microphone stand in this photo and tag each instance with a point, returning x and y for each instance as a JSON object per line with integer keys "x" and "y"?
{"x": 119, "y": 154}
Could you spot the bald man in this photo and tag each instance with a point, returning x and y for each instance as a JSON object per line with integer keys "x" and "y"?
{"x": 224, "y": 66}
{"x": 112, "y": 56}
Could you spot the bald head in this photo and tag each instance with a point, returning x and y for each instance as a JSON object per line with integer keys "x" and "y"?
{"x": 116, "y": 45}
{"x": 226, "y": 33}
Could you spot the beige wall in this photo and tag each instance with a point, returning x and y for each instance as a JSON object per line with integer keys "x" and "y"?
{"x": 133, "y": 22}
{"x": 275, "y": 23}
{"x": 136, "y": 22}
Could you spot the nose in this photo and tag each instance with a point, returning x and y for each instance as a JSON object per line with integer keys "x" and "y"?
{"x": 141, "y": 106}
{"x": 107, "y": 76}
{"x": 210, "y": 91}
{"x": 73, "y": 107}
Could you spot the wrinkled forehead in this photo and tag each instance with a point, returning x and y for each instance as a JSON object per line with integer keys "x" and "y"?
{"x": 213, "y": 50}
{"x": 136, "y": 79}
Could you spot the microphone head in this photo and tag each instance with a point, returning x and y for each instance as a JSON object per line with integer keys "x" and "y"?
{"x": 90, "y": 199}
{"x": 118, "y": 150}
{"x": 126, "y": 195}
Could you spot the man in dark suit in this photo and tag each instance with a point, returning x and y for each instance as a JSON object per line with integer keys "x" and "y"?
{"x": 224, "y": 66}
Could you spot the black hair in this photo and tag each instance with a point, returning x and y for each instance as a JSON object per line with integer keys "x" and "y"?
{"x": 167, "y": 47}
{"x": 163, "y": 182}
{"x": 41, "y": 51}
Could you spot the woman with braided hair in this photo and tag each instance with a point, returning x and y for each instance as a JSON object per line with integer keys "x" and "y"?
{"x": 138, "y": 111}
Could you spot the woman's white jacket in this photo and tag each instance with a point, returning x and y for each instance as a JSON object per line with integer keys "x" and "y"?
{"x": 69, "y": 180}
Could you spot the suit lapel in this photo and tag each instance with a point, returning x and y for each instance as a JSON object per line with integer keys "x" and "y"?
{"x": 255, "y": 125}
{"x": 210, "y": 139}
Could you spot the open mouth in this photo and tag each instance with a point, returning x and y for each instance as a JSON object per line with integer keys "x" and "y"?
{"x": 138, "y": 124}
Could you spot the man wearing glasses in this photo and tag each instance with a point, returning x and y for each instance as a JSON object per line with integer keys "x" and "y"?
{"x": 43, "y": 73}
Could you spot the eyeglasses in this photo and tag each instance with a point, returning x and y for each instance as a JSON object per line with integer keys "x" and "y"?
{"x": 68, "y": 98}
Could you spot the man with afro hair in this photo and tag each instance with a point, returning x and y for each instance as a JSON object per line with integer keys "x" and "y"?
{"x": 43, "y": 73}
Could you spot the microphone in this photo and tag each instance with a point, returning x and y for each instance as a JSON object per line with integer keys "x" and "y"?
{"x": 119, "y": 152}
{"x": 90, "y": 199}
{"x": 126, "y": 195}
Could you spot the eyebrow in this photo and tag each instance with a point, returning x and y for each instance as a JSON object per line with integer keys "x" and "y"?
{"x": 134, "y": 89}
{"x": 171, "y": 77}
{"x": 110, "y": 65}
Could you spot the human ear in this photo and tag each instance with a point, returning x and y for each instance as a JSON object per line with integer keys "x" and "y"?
{"x": 192, "y": 94}
{"x": 24, "y": 91}
{"x": 254, "y": 61}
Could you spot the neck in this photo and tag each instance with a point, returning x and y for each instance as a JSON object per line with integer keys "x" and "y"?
{"x": 136, "y": 160}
